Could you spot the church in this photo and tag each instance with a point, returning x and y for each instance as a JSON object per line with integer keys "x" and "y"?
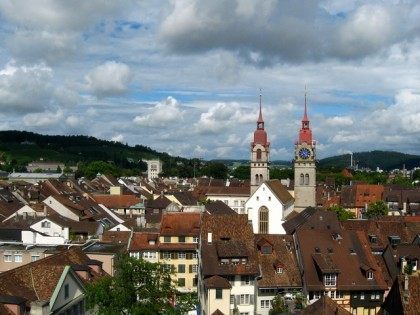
{"x": 270, "y": 202}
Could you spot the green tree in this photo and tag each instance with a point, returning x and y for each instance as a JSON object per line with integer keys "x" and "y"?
{"x": 281, "y": 173}
{"x": 101, "y": 167}
{"x": 377, "y": 209}
{"x": 278, "y": 306}
{"x": 342, "y": 214}
{"x": 138, "y": 287}
{"x": 401, "y": 180}
{"x": 300, "y": 300}
{"x": 241, "y": 172}
{"x": 215, "y": 170}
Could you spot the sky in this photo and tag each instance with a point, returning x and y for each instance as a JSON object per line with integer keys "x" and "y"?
{"x": 184, "y": 77}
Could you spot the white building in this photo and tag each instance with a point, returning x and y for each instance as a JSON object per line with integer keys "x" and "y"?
{"x": 154, "y": 168}
{"x": 268, "y": 206}
{"x": 233, "y": 196}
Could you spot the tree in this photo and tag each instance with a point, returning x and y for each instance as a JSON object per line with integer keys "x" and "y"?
{"x": 241, "y": 172}
{"x": 342, "y": 214}
{"x": 278, "y": 305}
{"x": 376, "y": 209}
{"x": 215, "y": 170}
{"x": 101, "y": 167}
{"x": 138, "y": 287}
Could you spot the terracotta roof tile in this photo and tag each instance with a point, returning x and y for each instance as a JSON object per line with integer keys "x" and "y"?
{"x": 117, "y": 201}
{"x": 180, "y": 224}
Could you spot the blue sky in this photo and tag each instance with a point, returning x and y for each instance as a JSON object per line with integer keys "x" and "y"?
{"x": 184, "y": 76}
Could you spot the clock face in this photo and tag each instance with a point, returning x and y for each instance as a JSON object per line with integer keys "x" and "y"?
{"x": 304, "y": 153}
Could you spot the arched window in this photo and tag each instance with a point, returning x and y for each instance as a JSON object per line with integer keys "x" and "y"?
{"x": 257, "y": 179}
{"x": 301, "y": 179}
{"x": 261, "y": 178}
{"x": 263, "y": 220}
{"x": 258, "y": 154}
{"x": 306, "y": 179}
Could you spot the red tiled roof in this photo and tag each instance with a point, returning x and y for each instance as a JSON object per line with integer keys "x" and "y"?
{"x": 180, "y": 224}
{"x": 37, "y": 280}
{"x": 117, "y": 201}
{"x": 140, "y": 241}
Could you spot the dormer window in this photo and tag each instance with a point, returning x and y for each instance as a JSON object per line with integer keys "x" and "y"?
{"x": 266, "y": 249}
{"x": 330, "y": 279}
{"x": 369, "y": 274}
{"x": 46, "y": 224}
{"x": 373, "y": 239}
{"x": 279, "y": 270}
{"x": 394, "y": 239}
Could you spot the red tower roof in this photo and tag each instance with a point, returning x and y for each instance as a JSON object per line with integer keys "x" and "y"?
{"x": 260, "y": 135}
{"x": 305, "y": 132}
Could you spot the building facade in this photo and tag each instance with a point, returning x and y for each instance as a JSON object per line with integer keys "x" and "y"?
{"x": 305, "y": 169}
{"x": 154, "y": 168}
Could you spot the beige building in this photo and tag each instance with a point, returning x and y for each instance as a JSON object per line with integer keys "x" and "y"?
{"x": 178, "y": 244}
{"x": 13, "y": 256}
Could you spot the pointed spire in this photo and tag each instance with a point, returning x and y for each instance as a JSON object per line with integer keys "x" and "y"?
{"x": 260, "y": 118}
{"x": 305, "y": 115}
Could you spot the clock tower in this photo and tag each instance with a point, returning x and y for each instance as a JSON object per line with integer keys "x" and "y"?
{"x": 260, "y": 155}
{"x": 305, "y": 169}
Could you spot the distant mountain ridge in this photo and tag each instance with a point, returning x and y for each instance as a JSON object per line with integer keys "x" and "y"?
{"x": 386, "y": 160}
{"x": 22, "y": 147}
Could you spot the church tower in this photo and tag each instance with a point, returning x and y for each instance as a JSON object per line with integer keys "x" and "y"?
{"x": 260, "y": 155}
{"x": 305, "y": 169}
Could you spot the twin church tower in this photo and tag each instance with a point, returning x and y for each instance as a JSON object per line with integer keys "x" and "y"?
{"x": 304, "y": 162}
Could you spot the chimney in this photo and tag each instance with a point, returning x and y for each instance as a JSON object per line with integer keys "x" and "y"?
{"x": 209, "y": 237}
{"x": 406, "y": 283}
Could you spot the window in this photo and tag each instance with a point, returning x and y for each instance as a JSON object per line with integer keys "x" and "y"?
{"x": 362, "y": 295}
{"x": 66, "y": 291}
{"x": 375, "y": 295}
{"x": 181, "y": 268}
{"x": 259, "y": 154}
{"x": 7, "y": 257}
{"x": 245, "y": 280}
{"x": 226, "y": 202}
{"x": 266, "y": 249}
{"x": 246, "y": 299}
{"x": 182, "y": 255}
{"x": 339, "y": 295}
{"x": 279, "y": 270}
{"x": 181, "y": 282}
{"x": 219, "y": 294}
{"x": 34, "y": 257}
{"x": 194, "y": 255}
{"x": 330, "y": 279}
{"x": 306, "y": 179}
{"x": 18, "y": 257}
{"x": 195, "y": 281}
{"x": 258, "y": 198}
{"x": 166, "y": 255}
{"x": 181, "y": 239}
{"x": 46, "y": 224}
{"x": 263, "y": 220}
{"x": 236, "y": 203}
{"x": 269, "y": 198}
{"x": 232, "y": 299}
{"x": 369, "y": 275}
{"x": 149, "y": 255}
{"x": 167, "y": 239}
{"x": 195, "y": 239}
{"x": 301, "y": 179}
{"x": 265, "y": 304}
{"x": 194, "y": 268}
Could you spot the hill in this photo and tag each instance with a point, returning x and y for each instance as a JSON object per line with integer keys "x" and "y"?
{"x": 386, "y": 160}
{"x": 18, "y": 148}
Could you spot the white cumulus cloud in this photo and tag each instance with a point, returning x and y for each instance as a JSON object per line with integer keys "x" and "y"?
{"x": 161, "y": 114}
{"x": 110, "y": 78}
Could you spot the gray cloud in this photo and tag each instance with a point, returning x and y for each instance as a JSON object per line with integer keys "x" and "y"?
{"x": 268, "y": 31}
